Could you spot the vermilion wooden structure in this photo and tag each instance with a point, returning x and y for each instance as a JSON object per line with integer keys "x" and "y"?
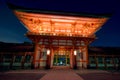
{"x": 62, "y": 34}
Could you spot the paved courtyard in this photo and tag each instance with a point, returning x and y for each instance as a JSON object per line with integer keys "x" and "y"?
{"x": 59, "y": 74}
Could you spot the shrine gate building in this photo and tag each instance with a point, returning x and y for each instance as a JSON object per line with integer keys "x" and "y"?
{"x": 60, "y": 38}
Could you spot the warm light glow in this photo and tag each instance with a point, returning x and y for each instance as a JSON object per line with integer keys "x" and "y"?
{"x": 75, "y": 52}
{"x": 59, "y": 25}
{"x": 48, "y": 52}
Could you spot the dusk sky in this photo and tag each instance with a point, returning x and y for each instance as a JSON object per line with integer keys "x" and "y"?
{"x": 11, "y": 30}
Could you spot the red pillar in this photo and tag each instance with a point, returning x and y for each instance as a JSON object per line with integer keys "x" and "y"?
{"x": 34, "y": 63}
{"x": 48, "y": 60}
{"x": 71, "y": 58}
{"x": 75, "y": 61}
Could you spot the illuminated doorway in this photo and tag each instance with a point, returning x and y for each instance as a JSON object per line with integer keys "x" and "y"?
{"x": 61, "y": 58}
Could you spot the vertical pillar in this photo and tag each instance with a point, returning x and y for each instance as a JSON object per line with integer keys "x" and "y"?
{"x": 66, "y": 58}
{"x": 96, "y": 61}
{"x": 85, "y": 57}
{"x": 56, "y": 57}
{"x": 36, "y": 56}
{"x": 80, "y": 65}
{"x": 48, "y": 59}
{"x": 71, "y": 58}
{"x": 39, "y": 61}
{"x": 51, "y": 57}
{"x": 41, "y": 50}
{"x": 75, "y": 61}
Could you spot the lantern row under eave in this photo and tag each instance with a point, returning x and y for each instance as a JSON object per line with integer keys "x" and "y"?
{"x": 42, "y": 24}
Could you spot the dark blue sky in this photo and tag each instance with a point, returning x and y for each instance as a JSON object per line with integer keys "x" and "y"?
{"x": 11, "y": 30}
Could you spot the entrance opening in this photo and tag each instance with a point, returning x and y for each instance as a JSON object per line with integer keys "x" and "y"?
{"x": 61, "y": 58}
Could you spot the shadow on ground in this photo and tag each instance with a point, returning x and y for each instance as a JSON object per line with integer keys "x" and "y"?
{"x": 100, "y": 76}
{"x": 21, "y": 76}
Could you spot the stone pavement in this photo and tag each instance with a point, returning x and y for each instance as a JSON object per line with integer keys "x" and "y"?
{"x": 59, "y": 74}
